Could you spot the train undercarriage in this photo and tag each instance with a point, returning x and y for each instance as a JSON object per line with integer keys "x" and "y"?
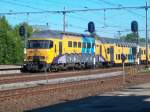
{"x": 42, "y": 66}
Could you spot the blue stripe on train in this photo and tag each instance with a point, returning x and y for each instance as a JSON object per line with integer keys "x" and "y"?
{"x": 89, "y": 40}
{"x": 130, "y": 56}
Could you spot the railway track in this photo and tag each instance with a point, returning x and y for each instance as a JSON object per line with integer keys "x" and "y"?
{"x": 42, "y": 76}
{"x": 28, "y": 98}
{"x": 33, "y": 97}
{"x": 15, "y": 93}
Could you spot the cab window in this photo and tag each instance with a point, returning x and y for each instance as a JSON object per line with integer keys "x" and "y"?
{"x": 51, "y": 44}
{"x": 40, "y": 44}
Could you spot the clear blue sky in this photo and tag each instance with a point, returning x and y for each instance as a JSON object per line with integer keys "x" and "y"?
{"x": 77, "y": 22}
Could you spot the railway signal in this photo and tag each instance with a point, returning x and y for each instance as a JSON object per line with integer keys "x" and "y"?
{"x": 22, "y": 31}
{"x": 134, "y": 26}
{"x": 91, "y": 27}
{"x": 134, "y": 29}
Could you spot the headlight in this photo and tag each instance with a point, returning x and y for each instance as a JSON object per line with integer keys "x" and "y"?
{"x": 29, "y": 57}
{"x": 42, "y": 57}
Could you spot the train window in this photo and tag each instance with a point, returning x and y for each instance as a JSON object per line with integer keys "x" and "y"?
{"x": 74, "y": 44}
{"x": 79, "y": 44}
{"x": 84, "y": 45}
{"x": 69, "y": 43}
{"x": 119, "y": 56}
{"x": 108, "y": 50}
{"x": 129, "y": 56}
{"x": 40, "y": 44}
{"x": 116, "y": 57}
{"x": 140, "y": 51}
{"x": 93, "y": 45}
{"x": 55, "y": 48}
{"x": 51, "y": 44}
{"x": 144, "y": 51}
{"x": 88, "y": 45}
{"x": 126, "y": 56}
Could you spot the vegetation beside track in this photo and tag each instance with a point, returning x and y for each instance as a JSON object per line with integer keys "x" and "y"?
{"x": 11, "y": 44}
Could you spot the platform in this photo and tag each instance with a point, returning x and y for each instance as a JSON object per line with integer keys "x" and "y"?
{"x": 9, "y": 69}
{"x": 5, "y": 67}
{"x": 18, "y": 85}
{"x": 133, "y": 99}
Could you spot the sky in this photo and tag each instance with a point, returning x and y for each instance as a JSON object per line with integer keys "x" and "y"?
{"x": 107, "y": 23}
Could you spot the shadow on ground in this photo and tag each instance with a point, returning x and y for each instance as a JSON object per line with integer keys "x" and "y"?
{"x": 101, "y": 104}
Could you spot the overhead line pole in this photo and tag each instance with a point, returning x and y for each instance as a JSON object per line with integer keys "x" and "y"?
{"x": 146, "y": 34}
{"x": 64, "y": 20}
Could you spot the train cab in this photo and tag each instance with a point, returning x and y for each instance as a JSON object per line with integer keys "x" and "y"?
{"x": 38, "y": 53}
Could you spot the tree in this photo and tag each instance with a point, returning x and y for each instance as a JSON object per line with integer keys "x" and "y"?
{"x": 5, "y": 28}
{"x": 11, "y": 45}
{"x": 132, "y": 37}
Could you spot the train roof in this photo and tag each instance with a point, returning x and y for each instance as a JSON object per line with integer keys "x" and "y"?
{"x": 60, "y": 34}
{"x": 55, "y": 34}
{"x": 46, "y": 34}
{"x": 117, "y": 42}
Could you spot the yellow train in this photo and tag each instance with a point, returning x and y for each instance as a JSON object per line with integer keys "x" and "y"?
{"x": 54, "y": 50}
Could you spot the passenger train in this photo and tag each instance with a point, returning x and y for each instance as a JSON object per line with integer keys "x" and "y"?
{"x": 54, "y": 50}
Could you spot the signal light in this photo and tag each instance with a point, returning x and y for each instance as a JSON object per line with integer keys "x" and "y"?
{"x": 134, "y": 26}
{"x": 91, "y": 27}
{"x": 22, "y": 31}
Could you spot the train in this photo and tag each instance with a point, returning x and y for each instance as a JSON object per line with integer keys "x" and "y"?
{"x": 52, "y": 50}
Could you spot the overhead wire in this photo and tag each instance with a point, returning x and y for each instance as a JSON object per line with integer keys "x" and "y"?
{"x": 67, "y": 11}
{"x": 121, "y": 6}
{"x": 21, "y": 5}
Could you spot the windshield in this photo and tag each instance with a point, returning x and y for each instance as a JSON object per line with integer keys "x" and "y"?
{"x": 40, "y": 44}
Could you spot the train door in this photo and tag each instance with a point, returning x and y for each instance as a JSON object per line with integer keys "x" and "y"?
{"x": 100, "y": 50}
{"x": 112, "y": 54}
{"x": 60, "y": 48}
{"x": 134, "y": 53}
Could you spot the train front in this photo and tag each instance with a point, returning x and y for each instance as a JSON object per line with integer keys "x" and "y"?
{"x": 38, "y": 54}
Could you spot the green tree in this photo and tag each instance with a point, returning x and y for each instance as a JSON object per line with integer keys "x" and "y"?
{"x": 132, "y": 37}
{"x": 11, "y": 44}
{"x": 5, "y": 28}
